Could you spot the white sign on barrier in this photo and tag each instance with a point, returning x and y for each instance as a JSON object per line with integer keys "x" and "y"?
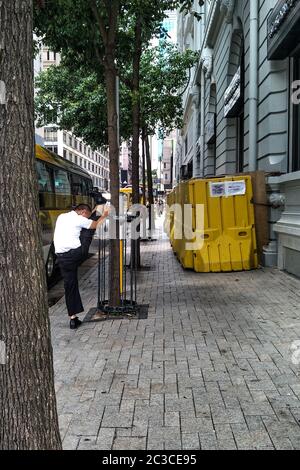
{"x": 228, "y": 188}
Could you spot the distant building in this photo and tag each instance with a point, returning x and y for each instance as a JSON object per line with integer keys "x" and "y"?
{"x": 65, "y": 143}
{"x": 167, "y": 146}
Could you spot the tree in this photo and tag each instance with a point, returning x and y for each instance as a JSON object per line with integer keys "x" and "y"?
{"x": 28, "y": 415}
{"x": 164, "y": 74}
{"x": 94, "y": 29}
{"x": 75, "y": 99}
{"x": 87, "y": 32}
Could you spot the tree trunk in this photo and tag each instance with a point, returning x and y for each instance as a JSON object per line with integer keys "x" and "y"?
{"x": 136, "y": 130}
{"x": 28, "y": 415}
{"x": 150, "y": 183}
{"x": 112, "y": 121}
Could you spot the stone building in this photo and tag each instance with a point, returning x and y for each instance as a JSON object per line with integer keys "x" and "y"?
{"x": 242, "y": 109}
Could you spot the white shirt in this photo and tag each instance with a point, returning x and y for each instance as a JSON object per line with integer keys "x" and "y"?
{"x": 67, "y": 231}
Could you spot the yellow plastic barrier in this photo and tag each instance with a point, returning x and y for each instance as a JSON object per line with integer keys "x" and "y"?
{"x": 229, "y": 239}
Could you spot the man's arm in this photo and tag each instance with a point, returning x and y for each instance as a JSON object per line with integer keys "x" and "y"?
{"x": 99, "y": 221}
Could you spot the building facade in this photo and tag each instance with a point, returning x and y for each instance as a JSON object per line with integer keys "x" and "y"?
{"x": 242, "y": 110}
{"x": 65, "y": 143}
{"x": 166, "y": 161}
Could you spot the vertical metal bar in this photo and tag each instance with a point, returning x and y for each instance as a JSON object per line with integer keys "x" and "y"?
{"x": 124, "y": 265}
{"x": 101, "y": 267}
{"x": 104, "y": 267}
{"x": 99, "y": 273}
{"x": 131, "y": 270}
{"x": 121, "y": 267}
{"x": 135, "y": 271}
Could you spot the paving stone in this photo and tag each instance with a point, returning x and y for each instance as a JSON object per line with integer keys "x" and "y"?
{"x": 115, "y": 419}
{"x": 105, "y": 438}
{"x": 210, "y": 367}
{"x": 171, "y": 419}
{"x": 190, "y": 441}
{"x": 129, "y": 443}
{"x": 70, "y": 442}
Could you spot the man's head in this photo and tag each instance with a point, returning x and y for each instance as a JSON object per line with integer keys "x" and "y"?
{"x": 84, "y": 210}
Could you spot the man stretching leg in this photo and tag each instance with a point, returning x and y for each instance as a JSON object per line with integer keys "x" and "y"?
{"x": 69, "y": 254}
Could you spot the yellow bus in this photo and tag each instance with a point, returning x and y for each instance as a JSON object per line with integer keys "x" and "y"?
{"x": 62, "y": 185}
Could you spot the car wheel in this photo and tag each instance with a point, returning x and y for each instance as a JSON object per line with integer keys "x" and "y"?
{"x": 50, "y": 264}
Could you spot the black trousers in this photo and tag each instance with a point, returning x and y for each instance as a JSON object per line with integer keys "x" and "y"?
{"x": 68, "y": 263}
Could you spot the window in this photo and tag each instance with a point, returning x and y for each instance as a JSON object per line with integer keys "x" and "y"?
{"x": 165, "y": 165}
{"x": 89, "y": 166}
{"x": 70, "y": 156}
{"x": 65, "y": 154}
{"x": 70, "y": 141}
{"x": 166, "y": 176}
{"x": 52, "y": 148}
{"x": 80, "y": 147}
{"x": 93, "y": 168}
{"x": 61, "y": 182}
{"x": 65, "y": 138}
{"x": 75, "y": 159}
{"x": 86, "y": 187}
{"x": 80, "y": 161}
{"x": 44, "y": 177}
{"x": 75, "y": 143}
{"x": 46, "y": 185}
{"x": 78, "y": 186}
{"x": 84, "y": 163}
{"x": 50, "y": 134}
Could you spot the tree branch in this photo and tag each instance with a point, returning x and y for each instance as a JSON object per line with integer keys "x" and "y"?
{"x": 128, "y": 83}
{"x": 99, "y": 21}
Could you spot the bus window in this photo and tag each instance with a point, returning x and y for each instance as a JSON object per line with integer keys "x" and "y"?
{"x": 46, "y": 189}
{"x": 76, "y": 185}
{"x": 62, "y": 189}
{"x": 76, "y": 189}
{"x": 87, "y": 187}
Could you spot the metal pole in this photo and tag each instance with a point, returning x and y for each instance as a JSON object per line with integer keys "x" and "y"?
{"x": 99, "y": 273}
{"x": 135, "y": 266}
{"x": 125, "y": 263}
{"x": 104, "y": 262}
{"x": 131, "y": 270}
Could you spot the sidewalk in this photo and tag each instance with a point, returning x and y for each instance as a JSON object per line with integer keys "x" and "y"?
{"x": 211, "y": 367}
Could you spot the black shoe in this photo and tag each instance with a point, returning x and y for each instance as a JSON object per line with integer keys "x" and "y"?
{"x": 75, "y": 323}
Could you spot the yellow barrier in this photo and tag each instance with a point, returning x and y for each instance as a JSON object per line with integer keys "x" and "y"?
{"x": 228, "y": 236}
